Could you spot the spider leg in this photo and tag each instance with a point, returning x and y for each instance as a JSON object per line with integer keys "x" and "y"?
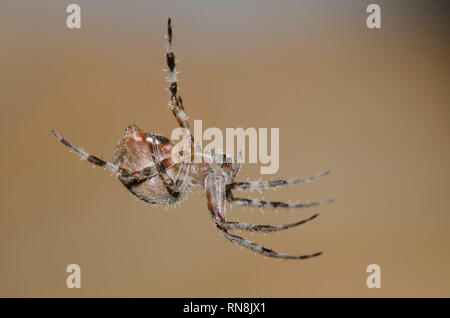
{"x": 215, "y": 195}
{"x": 260, "y": 249}
{"x": 173, "y": 187}
{"x": 262, "y": 228}
{"x": 216, "y": 206}
{"x": 84, "y": 155}
{"x": 271, "y": 204}
{"x": 175, "y": 101}
{"x": 140, "y": 176}
{"x": 259, "y": 185}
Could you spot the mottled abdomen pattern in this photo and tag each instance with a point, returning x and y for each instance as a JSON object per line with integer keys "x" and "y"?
{"x": 134, "y": 157}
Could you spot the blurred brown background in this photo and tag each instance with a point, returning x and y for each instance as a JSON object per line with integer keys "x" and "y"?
{"x": 372, "y": 106}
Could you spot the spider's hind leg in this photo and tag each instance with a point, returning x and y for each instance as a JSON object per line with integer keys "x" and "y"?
{"x": 175, "y": 101}
{"x": 84, "y": 155}
{"x": 260, "y": 249}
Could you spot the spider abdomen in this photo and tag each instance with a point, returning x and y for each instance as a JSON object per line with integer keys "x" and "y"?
{"x": 139, "y": 170}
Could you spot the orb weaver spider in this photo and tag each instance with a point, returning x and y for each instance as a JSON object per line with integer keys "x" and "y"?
{"x": 148, "y": 165}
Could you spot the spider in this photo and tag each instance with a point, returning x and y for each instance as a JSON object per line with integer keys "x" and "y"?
{"x": 148, "y": 165}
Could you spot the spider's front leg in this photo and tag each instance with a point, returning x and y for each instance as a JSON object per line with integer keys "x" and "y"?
{"x": 215, "y": 194}
{"x": 259, "y": 185}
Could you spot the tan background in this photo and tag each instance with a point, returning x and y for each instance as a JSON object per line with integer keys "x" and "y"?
{"x": 372, "y": 106}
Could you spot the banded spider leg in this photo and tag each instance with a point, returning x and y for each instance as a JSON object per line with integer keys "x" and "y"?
{"x": 217, "y": 193}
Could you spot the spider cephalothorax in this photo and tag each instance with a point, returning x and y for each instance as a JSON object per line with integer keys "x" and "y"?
{"x": 150, "y": 167}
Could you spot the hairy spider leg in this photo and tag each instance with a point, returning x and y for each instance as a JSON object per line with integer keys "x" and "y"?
{"x": 240, "y": 226}
{"x": 84, "y": 155}
{"x": 173, "y": 187}
{"x": 175, "y": 101}
{"x": 271, "y": 204}
{"x": 131, "y": 178}
{"x": 215, "y": 202}
{"x": 261, "y": 249}
{"x": 260, "y": 185}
